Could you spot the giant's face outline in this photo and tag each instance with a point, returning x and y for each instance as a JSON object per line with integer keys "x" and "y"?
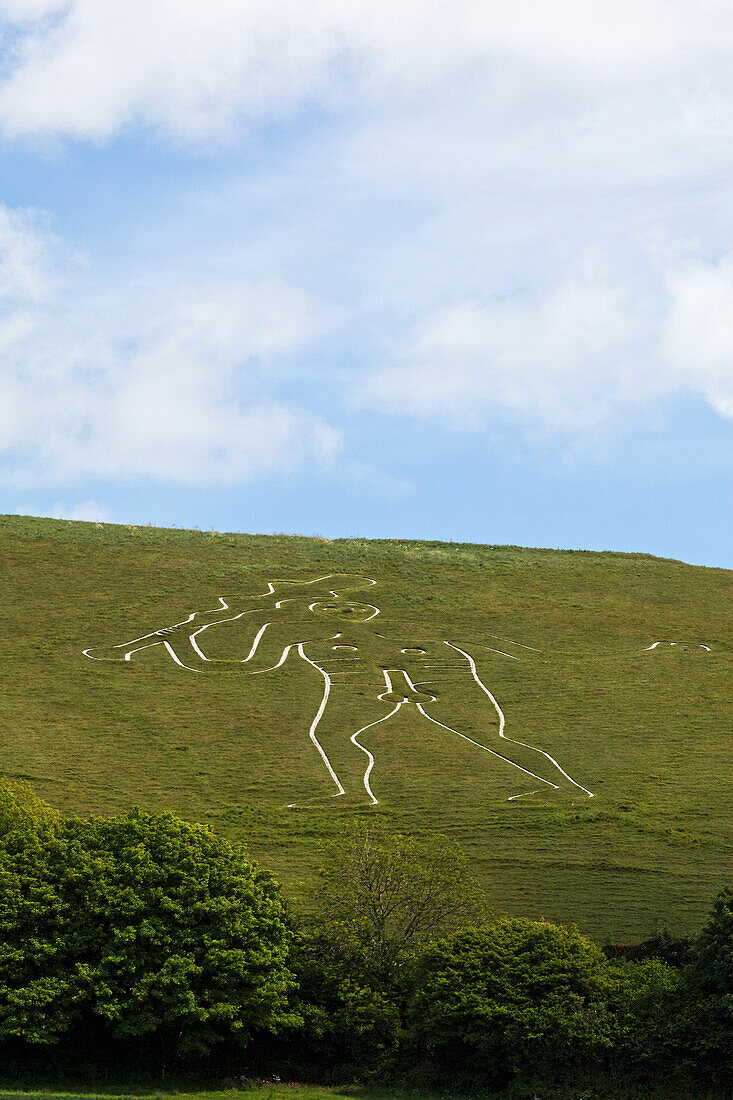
{"x": 344, "y": 610}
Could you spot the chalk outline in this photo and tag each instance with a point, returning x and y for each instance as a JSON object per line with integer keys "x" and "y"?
{"x": 224, "y": 606}
{"x": 502, "y": 721}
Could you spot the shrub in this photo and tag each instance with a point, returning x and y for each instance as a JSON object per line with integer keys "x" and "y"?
{"x": 643, "y": 1005}
{"x": 351, "y": 1024}
{"x": 705, "y": 1020}
{"x": 507, "y": 999}
{"x": 142, "y": 923}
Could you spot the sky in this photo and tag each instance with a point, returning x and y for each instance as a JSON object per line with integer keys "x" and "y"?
{"x": 436, "y": 269}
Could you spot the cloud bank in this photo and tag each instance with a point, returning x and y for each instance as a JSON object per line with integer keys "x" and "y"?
{"x": 474, "y": 155}
{"x": 574, "y": 360}
{"x": 172, "y": 386}
{"x": 200, "y": 68}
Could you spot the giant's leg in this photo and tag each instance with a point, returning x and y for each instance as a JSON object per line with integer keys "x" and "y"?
{"x": 466, "y": 706}
{"x": 350, "y": 705}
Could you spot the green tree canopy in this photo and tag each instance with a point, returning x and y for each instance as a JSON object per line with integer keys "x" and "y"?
{"x": 706, "y": 1016}
{"x": 143, "y": 921}
{"x": 383, "y": 895}
{"x": 712, "y": 964}
{"x": 510, "y": 997}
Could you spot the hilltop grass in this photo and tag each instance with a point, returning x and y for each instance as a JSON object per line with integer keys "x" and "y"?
{"x": 647, "y": 732}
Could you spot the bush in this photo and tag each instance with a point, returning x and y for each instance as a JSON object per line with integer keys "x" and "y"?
{"x": 673, "y": 950}
{"x": 643, "y": 1006}
{"x": 351, "y": 1025}
{"x": 705, "y": 1019}
{"x": 141, "y": 924}
{"x": 508, "y": 999}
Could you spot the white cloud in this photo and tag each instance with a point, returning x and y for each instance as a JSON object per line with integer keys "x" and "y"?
{"x": 193, "y": 68}
{"x": 86, "y": 510}
{"x": 178, "y": 387}
{"x": 480, "y": 149}
{"x": 575, "y": 360}
{"x": 27, "y": 265}
{"x": 697, "y": 333}
{"x": 27, "y": 11}
{"x": 562, "y": 361}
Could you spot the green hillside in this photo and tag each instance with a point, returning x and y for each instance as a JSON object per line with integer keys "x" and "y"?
{"x": 553, "y": 643}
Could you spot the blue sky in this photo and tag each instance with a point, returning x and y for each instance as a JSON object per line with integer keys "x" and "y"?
{"x": 436, "y": 270}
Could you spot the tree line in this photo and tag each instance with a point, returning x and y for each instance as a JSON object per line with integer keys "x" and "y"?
{"x": 143, "y": 944}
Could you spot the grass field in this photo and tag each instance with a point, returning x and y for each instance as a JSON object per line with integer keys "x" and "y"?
{"x": 647, "y": 731}
{"x": 305, "y": 1092}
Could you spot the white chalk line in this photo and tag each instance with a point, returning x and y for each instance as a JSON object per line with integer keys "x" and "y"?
{"x": 491, "y": 751}
{"x": 224, "y": 606}
{"x": 128, "y": 655}
{"x": 388, "y": 674}
{"x": 501, "y": 651}
{"x": 151, "y": 633}
{"x": 370, "y": 765}
{"x": 327, "y": 678}
{"x": 283, "y": 659}
{"x": 375, "y": 609}
{"x": 316, "y": 720}
{"x": 524, "y": 794}
{"x": 502, "y": 722}
{"x": 502, "y": 639}
{"x": 255, "y": 643}
{"x": 391, "y": 689}
{"x": 218, "y": 622}
{"x": 663, "y": 641}
{"x": 374, "y": 801}
{"x": 231, "y": 619}
{"x": 176, "y": 658}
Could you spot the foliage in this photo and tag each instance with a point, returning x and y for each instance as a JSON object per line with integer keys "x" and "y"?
{"x": 705, "y": 1021}
{"x": 157, "y": 935}
{"x": 509, "y": 998}
{"x": 712, "y": 966}
{"x": 351, "y": 1025}
{"x": 239, "y": 1088}
{"x": 382, "y": 895}
{"x": 642, "y": 1001}
{"x": 143, "y": 922}
{"x": 669, "y": 948}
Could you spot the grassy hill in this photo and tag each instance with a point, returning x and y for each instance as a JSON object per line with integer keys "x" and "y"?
{"x": 560, "y": 639}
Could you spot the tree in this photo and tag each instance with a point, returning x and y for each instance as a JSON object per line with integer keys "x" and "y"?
{"x": 509, "y": 998}
{"x": 37, "y": 996}
{"x": 712, "y": 964}
{"x": 382, "y": 895}
{"x": 143, "y": 922}
{"x": 643, "y": 1001}
{"x": 351, "y": 1025}
{"x": 705, "y": 1021}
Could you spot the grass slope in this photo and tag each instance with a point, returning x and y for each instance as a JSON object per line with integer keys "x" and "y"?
{"x": 648, "y": 732}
